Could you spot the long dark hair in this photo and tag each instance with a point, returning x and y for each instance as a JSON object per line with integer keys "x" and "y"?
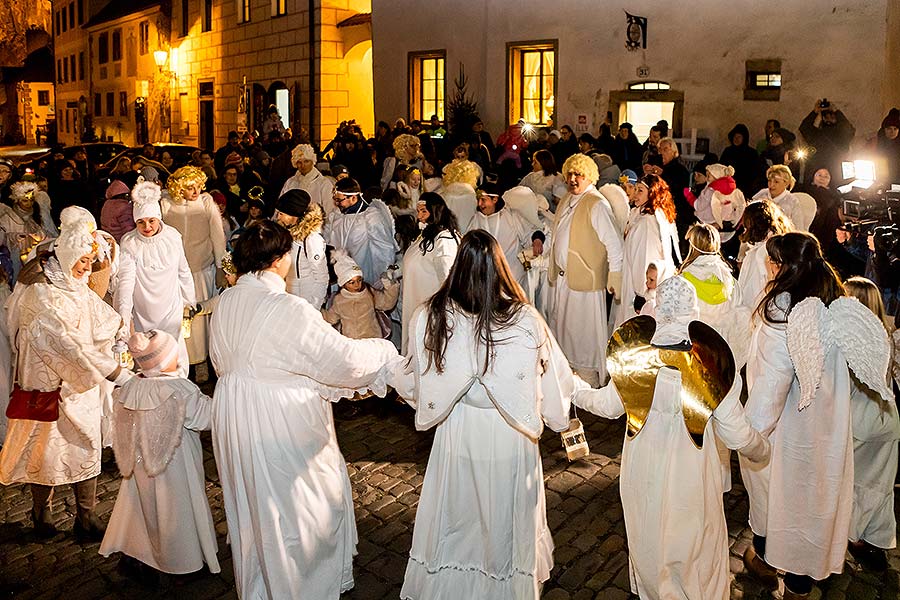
{"x": 803, "y": 273}
{"x": 481, "y": 285}
{"x": 441, "y": 219}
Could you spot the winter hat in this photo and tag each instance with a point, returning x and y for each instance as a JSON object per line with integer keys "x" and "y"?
{"x": 556, "y": 133}
{"x": 719, "y": 171}
{"x": 218, "y": 197}
{"x": 145, "y": 196}
{"x": 76, "y": 239}
{"x": 72, "y": 215}
{"x": 234, "y": 158}
{"x": 22, "y": 189}
{"x": 117, "y": 189}
{"x": 152, "y": 351}
{"x": 302, "y": 152}
{"x": 338, "y": 170}
{"x": 786, "y": 136}
{"x": 892, "y": 119}
{"x": 344, "y": 267}
{"x": 150, "y": 174}
{"x": 293, "y": 202}
{"x": 628, "y": 176}
{"x": 676, "y": 307}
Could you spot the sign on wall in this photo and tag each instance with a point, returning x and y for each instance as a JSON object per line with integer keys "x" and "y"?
{"x": 635, "y": 32}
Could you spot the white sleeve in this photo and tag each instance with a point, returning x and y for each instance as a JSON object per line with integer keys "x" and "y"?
{"x": 443, "y": 254}
{"x": 558, "y": 384}
{"x": 318, "y": 262}
{"x": 186, "y": 280}
{"x": 604, "y": 225}
{"x": 604, "y": 402}
{"x": 768, "y": 392}
{"x": 123, "y": 297}
{"x": 733, "y": 427}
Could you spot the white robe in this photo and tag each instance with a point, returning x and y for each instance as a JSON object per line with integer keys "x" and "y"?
{"x": 802, "y": 499}
{"x": 786, "y": 201}
{"x": 367, "y": 236}
{"x": 308, "y": 275}
{"x": 752, "y": 277}
{"x": 423, "y": 275}
{"x": 672, "y": 492}
{"x": 481, "y": 524}
{"x": 153, "y": 294}
{"x": 164, "y": 520}
{"x": 648, "y": 238}
{"x": 65, "y": 346}
{"x": 5, "y": 360}
{"x": 319, "y": 188}
{"x": 285, "y": 486}
{"x": 512, "y": 232}
{"x": 876, "y": 430}
{"x": 579, "y": 321}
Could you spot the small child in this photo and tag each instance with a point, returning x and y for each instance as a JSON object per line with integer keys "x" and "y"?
{"x": 255, "y": 213}
{"x": 536, "y": 265}
{"x": 645, "y": 304}
{"x": 876, "y": 429}
{"x": 410, "y": 188}
{"x": 161, "y": 516}
{"x": 359, "y": 309}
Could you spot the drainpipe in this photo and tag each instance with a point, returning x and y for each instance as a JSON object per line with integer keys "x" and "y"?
{"x": 312, "y": 71}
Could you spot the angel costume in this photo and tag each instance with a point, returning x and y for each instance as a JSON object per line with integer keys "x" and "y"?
{"x": 801, "y": 500}
{"x": 752, "y": 277}
{"x": 670, "y": 481}
{"x": 511, "y": 231}
{"x": 786, "y": 201}
{"x": 648, "y": 238}
{"x": 366, "y": 232}
{"x": 423, "y": 274}
{"x": 481, "y": 526}
{"x": 200, "y": 225}
{"x": 286, "y": 491}
{"x": 319, "y": 188}
{"x": 462, "y": 202}
{"x": 162, "y": 516}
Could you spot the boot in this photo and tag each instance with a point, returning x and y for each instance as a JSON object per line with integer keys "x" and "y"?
{"x": 88, "y": 527}
{"x": 41, "y": 505}
{"x": 869, "y": 557}
{"x": 760, "y": 569}
{"x": 789, "y": 595}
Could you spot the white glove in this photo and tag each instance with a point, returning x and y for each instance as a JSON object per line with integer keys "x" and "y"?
{"x": 123, "y": 377}
{"x": 614, "y": 283}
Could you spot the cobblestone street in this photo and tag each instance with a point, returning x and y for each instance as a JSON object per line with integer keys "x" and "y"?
{"x": 386, "y": 459}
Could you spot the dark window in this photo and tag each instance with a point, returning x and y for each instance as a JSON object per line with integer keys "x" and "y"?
{"x": 43, "y": 97}
{"x": 117, "y": 45}
{"x": 185, "y": 25}
{"x": 110, "y": 104}
{"x": 144, "y": 46}
{"x": 123, "y": 104}
{"x": 81, "y": 66}
{"x": 98, "y": 105}
{"x": 207, "y": 15}
{"x": 103, "y": 48}
{"x": 65, "y": 64}
{"x": 72, "y": 16}
{"x": 58, "y": 27}
{"x": 65, "y": 22}
{"x": 206, "y": 88}
{"x": 81, "y": 12}
{"x": 72, "y": 66}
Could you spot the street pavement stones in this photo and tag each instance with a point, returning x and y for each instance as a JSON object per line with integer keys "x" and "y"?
{"x": 386, "y": 459}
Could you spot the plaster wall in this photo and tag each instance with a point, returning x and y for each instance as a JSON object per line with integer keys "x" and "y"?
{"x": 836, "y": 49}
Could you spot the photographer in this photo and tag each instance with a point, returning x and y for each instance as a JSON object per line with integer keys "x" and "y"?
{"x": 828, "y": 131}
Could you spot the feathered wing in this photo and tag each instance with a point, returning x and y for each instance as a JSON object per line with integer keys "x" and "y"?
{"x": 864, "y": 342}
{"x": 806, "y": 345}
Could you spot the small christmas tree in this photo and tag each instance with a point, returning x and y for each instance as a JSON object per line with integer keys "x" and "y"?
{"x": 462, "y": 110}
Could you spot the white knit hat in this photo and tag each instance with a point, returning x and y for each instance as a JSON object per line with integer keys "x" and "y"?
{"x": 302, "y": 152}
{"x": 719, "y": 171}
{"x": 344, "y": 267}
{"x": 145, "y": 196}
{"x": 676, "y": 307}
{"x": 71, "y": 215}
{"x": 76, "y": 239}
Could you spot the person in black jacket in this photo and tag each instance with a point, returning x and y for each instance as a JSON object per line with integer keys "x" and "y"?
{"x": 627, "y": 150}
{"x": 749, "y": 168}
{"x": 830, "y": 133}
{"x": 678, "y": 178}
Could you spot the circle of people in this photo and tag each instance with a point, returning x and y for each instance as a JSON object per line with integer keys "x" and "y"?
{"x": 501, "y": 303}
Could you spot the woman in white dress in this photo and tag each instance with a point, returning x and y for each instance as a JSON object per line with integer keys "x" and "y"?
{"x": 481, "y": 526}
{"x": 544, "y": 178}
{"x": 809, "y": 338}
{"x": 195, "y": 215}
{"x": 876, "y": 430}
{"x": 21, "y": 225}
{"x": 285, "y": 486}
{"x": 650, "y": 236}
{"x": 761, "y": 220}
{"x": 778, "y": 190}
{"x": 62, "y": 333}
{"x": 427, "y": 261}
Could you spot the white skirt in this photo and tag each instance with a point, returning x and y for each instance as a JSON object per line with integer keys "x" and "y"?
{"x": 204, "y": 288}
{"x": 579, "y": 324}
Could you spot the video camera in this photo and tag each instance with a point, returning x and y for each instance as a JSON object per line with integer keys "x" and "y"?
{"x": 876, "y": 212}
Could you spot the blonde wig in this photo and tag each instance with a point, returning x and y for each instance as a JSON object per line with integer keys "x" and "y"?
{"x": 461, "y": 171}
{"x": 183, "y": 178}
{"x": 406, "y": 147}
{"x": 784, "y": 172}
{"x": 582, "y": 165}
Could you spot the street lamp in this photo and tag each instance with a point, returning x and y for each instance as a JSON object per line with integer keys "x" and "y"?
{"x": 160, "y": 57}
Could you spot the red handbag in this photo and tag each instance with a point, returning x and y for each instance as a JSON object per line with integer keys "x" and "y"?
{"x": 33, "y": 405}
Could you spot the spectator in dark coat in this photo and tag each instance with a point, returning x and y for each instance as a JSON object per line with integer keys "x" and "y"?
{"x": 828, "y": 131}
{"x": 749, "y": 168}
{"x": 627, "y": 150}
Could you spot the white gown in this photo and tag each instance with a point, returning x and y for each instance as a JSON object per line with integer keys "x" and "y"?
{"x": 163, "y": 520}
{"x": 579, "y": 320}
{"x": 512, "y": 232}
{"x": 285, "y": 486}
{"x": 5, "y": 360}
{"x": 367, "y": 236}
{"x": 154, "y": 293}
{"x": 672, "y": 492}
{"x": 752, "y": 278}
{"x": 876, "y": 430}
{"x": 481, "y": 527}
{"x": 319, "y": 188}
{"x": 645, "y": 242}
{"x": 423, "y": 275}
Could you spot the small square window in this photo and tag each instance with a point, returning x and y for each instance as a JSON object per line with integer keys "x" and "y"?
{"x": 43, "y": 97}
{"x": 762, "y": 79}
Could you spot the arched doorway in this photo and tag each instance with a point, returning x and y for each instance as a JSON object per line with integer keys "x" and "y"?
{"x": 646, "y": 102}
{"x": 280, "y": 96}
{"x": 361, "y": 105}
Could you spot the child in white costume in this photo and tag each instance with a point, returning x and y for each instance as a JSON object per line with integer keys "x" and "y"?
{"x": 671, "y": 486}
{"x": 876, "y": 430}
{"x": 161, "y": 516}
{"x": 354, "y": 307}
{"x": 155, "y": 293}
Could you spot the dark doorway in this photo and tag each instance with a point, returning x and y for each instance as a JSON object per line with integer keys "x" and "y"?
{"x": 207, "y": 128}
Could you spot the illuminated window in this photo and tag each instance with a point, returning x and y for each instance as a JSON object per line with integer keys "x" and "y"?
{"x": 144, "y": 38}
{"x": 762, "y": 80}
{"x": 654, "y": 86}
{"x": 427, "y": 84}
{"x": 532, "y": 81}
{"x": 766, "y": 80}
{"x": 243, "y": 11}
{"x": 279, "y": 8}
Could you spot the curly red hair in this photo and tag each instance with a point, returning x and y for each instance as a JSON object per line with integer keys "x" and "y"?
{"x": 659, "y": 196}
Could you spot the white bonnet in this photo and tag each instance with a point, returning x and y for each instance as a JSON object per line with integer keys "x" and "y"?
{"x": 145, "y": 196}
{"x": 676, "y": 307}
{"x": 719, "y": 171}
{"x": 302, "y": 152}
{"x": 344, "y": 267}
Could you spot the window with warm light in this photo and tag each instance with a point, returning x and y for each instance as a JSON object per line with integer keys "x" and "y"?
{"x": 649, "y": 86}
{"x": 243, "y": 11}
{"x": 532, "y": 81}
{"x": 427, "y": 84}
{"x": 279, "y": 8}
{"x": 144, "y": 37}
{"x": 762, "y": 79}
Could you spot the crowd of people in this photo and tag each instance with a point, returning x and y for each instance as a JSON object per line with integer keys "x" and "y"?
{"x": 491, "y": 286}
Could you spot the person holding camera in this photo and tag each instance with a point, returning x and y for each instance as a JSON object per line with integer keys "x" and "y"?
{"x": 829, "y": 132}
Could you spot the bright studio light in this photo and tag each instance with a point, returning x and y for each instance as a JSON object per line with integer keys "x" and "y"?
{"x": 861, "y": 172}
{"x": 801, "y": 154}
{"x": 527, "y": 128}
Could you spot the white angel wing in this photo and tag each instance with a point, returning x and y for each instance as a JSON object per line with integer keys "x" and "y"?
{"x": 864, "y": 342}
{"x": 806, "y": 345}
{"x": 806, "y": 210}
{"x": 618, "y": 201}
